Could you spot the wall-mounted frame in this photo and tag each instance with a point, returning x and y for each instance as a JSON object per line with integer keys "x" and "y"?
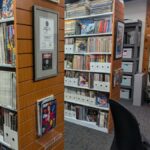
{"x": 119, "y": 40}
{"x": 45, "y": 28}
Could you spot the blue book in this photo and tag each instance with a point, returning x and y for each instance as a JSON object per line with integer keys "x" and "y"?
{"x": 87, "y": 26}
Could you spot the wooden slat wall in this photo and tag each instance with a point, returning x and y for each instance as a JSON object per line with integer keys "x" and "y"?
{"x": 118, "y": 15}
{"x": 147, "y": 40}
{"x": 28, "y": 91}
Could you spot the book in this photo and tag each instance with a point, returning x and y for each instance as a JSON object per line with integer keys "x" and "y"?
{"x": 7, "y": 8}
{"x": 92, "y": 115}
{"x": 81, "y": 45}
{"x": 87, "y": 26}
{"x": 7, "y": 44}
{"x": 102, "y": 100}
{"x": 46, "y": 114}
{"x": 8, "y": 89}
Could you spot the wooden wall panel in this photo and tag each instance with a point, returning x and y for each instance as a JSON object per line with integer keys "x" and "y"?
{"x": 25, "y": 46}
{"x": 147, "y": 40}
{"x": 118, "y": 9}
{"x": 28, "y": 90}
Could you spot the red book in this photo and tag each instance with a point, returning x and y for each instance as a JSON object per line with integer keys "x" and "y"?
{"x": 101, "y": 26}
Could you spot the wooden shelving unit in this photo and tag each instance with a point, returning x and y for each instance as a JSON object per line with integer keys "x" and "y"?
{"x": 117, "y": 15}
{"x": 27, "y": 90}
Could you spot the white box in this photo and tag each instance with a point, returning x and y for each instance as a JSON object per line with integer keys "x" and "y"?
{"x": 127, "y": 66}
{"x": 100, "y": 67}
{"x": 127, "y": 53}
{"x": 69, "y": 48}
{"x": 102, "y": 86}
{"x": 124, "y": 93}
{"x": 92, "y": 101}
{"x": 14, "y": 139}
{"x": 126, "y": 80}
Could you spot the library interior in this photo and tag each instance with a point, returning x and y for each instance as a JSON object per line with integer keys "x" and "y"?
{"x": 95, "y": 93}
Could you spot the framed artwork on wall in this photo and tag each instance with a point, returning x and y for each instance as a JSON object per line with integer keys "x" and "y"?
{"x": 45, "y": 28}
{"x": 119, "y": 40}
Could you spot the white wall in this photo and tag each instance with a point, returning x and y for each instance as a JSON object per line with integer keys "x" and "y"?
{"x": 136, "y": 9}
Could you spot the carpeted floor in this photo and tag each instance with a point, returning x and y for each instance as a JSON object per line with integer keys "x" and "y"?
{"x": 81, "y": 138}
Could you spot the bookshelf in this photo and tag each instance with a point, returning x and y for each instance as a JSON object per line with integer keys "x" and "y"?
{"x": 22, "y": 112}
{"x": 8, "y": 107}
{"x": 130, "y": 59}
{"x": 88, "y": 87}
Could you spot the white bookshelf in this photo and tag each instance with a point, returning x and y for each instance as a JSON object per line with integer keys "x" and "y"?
{"x": 86, "y": 88}
{"x": 3, "y": 20}
{"x": 88, "y": 105}
{"x": 90, "y": 53}
{"x": 8, "y": 107}
{"x": 88, "y": 35}
{"x": 95, "y": 67}
{"x": 91, "y": 16}
{"x": 3, "y": 142}
{"x": 89, "y": 71}
{"x": 86, "y": 124}
{"x": 7, "y": 66}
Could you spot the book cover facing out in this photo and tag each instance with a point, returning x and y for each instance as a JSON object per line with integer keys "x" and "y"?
{"x": 48, "y": 116}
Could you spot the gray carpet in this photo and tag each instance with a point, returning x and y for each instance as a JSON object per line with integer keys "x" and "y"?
{"x": 81, "y": 138}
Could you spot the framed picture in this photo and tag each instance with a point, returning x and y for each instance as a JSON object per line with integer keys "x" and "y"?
{"x": 119, "y": 40}
{"x": 45, "y": 30}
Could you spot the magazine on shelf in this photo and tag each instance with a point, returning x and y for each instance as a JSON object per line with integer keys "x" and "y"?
{"x": 7, "y": 8}
{"x": 46, "y": 114}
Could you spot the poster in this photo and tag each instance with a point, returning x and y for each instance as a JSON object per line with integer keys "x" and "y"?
{"x": 46, "y": 34}
{"x": 46, "y": 61}
{"x": 119, "y": 40}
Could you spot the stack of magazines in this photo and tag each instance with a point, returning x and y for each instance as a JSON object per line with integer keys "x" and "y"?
{"x": 100, "y": 6}
{"x": 46, "y": 114}
{"x": 77, "y": 9}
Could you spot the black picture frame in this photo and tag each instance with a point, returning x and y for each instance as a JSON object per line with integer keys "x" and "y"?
{"x": 119, "y": 39}
{"x": 45, "y": 45}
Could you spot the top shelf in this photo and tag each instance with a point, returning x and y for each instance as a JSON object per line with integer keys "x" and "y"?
{"x": 6, "y": 20}
{"x": 90, "y": 16}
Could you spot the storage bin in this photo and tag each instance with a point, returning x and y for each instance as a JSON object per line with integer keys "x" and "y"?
{"x": 124, "y": 93}
{"x": 126, "y": 80}
{"x": 69, "y": 48}
{"x": 127, "y": 53}
{"x": 127, "y": 66}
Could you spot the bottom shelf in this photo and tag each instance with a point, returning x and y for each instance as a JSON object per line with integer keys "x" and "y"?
{"x": 48, "y": 140}
{"x": 3, "y": 142}
{"x": 86, "y": 124}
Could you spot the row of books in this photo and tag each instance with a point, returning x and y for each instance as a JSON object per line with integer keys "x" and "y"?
{"x": 84, "y": 79}
{"x": 7, "y": 44}
{"x": 87, "y": 8}
{"x": 46, "y": 114}
{"x": 88, "y": 26}
{"x": 83, "y": 62}
{"x": 8, "y": 127}
{"x": 90, "y": 44}
{"x": 6, "y": 8}
{"x": 99, "y": 117}
{"x": 8, "y": 89}
{"x": 94, "y": 98}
